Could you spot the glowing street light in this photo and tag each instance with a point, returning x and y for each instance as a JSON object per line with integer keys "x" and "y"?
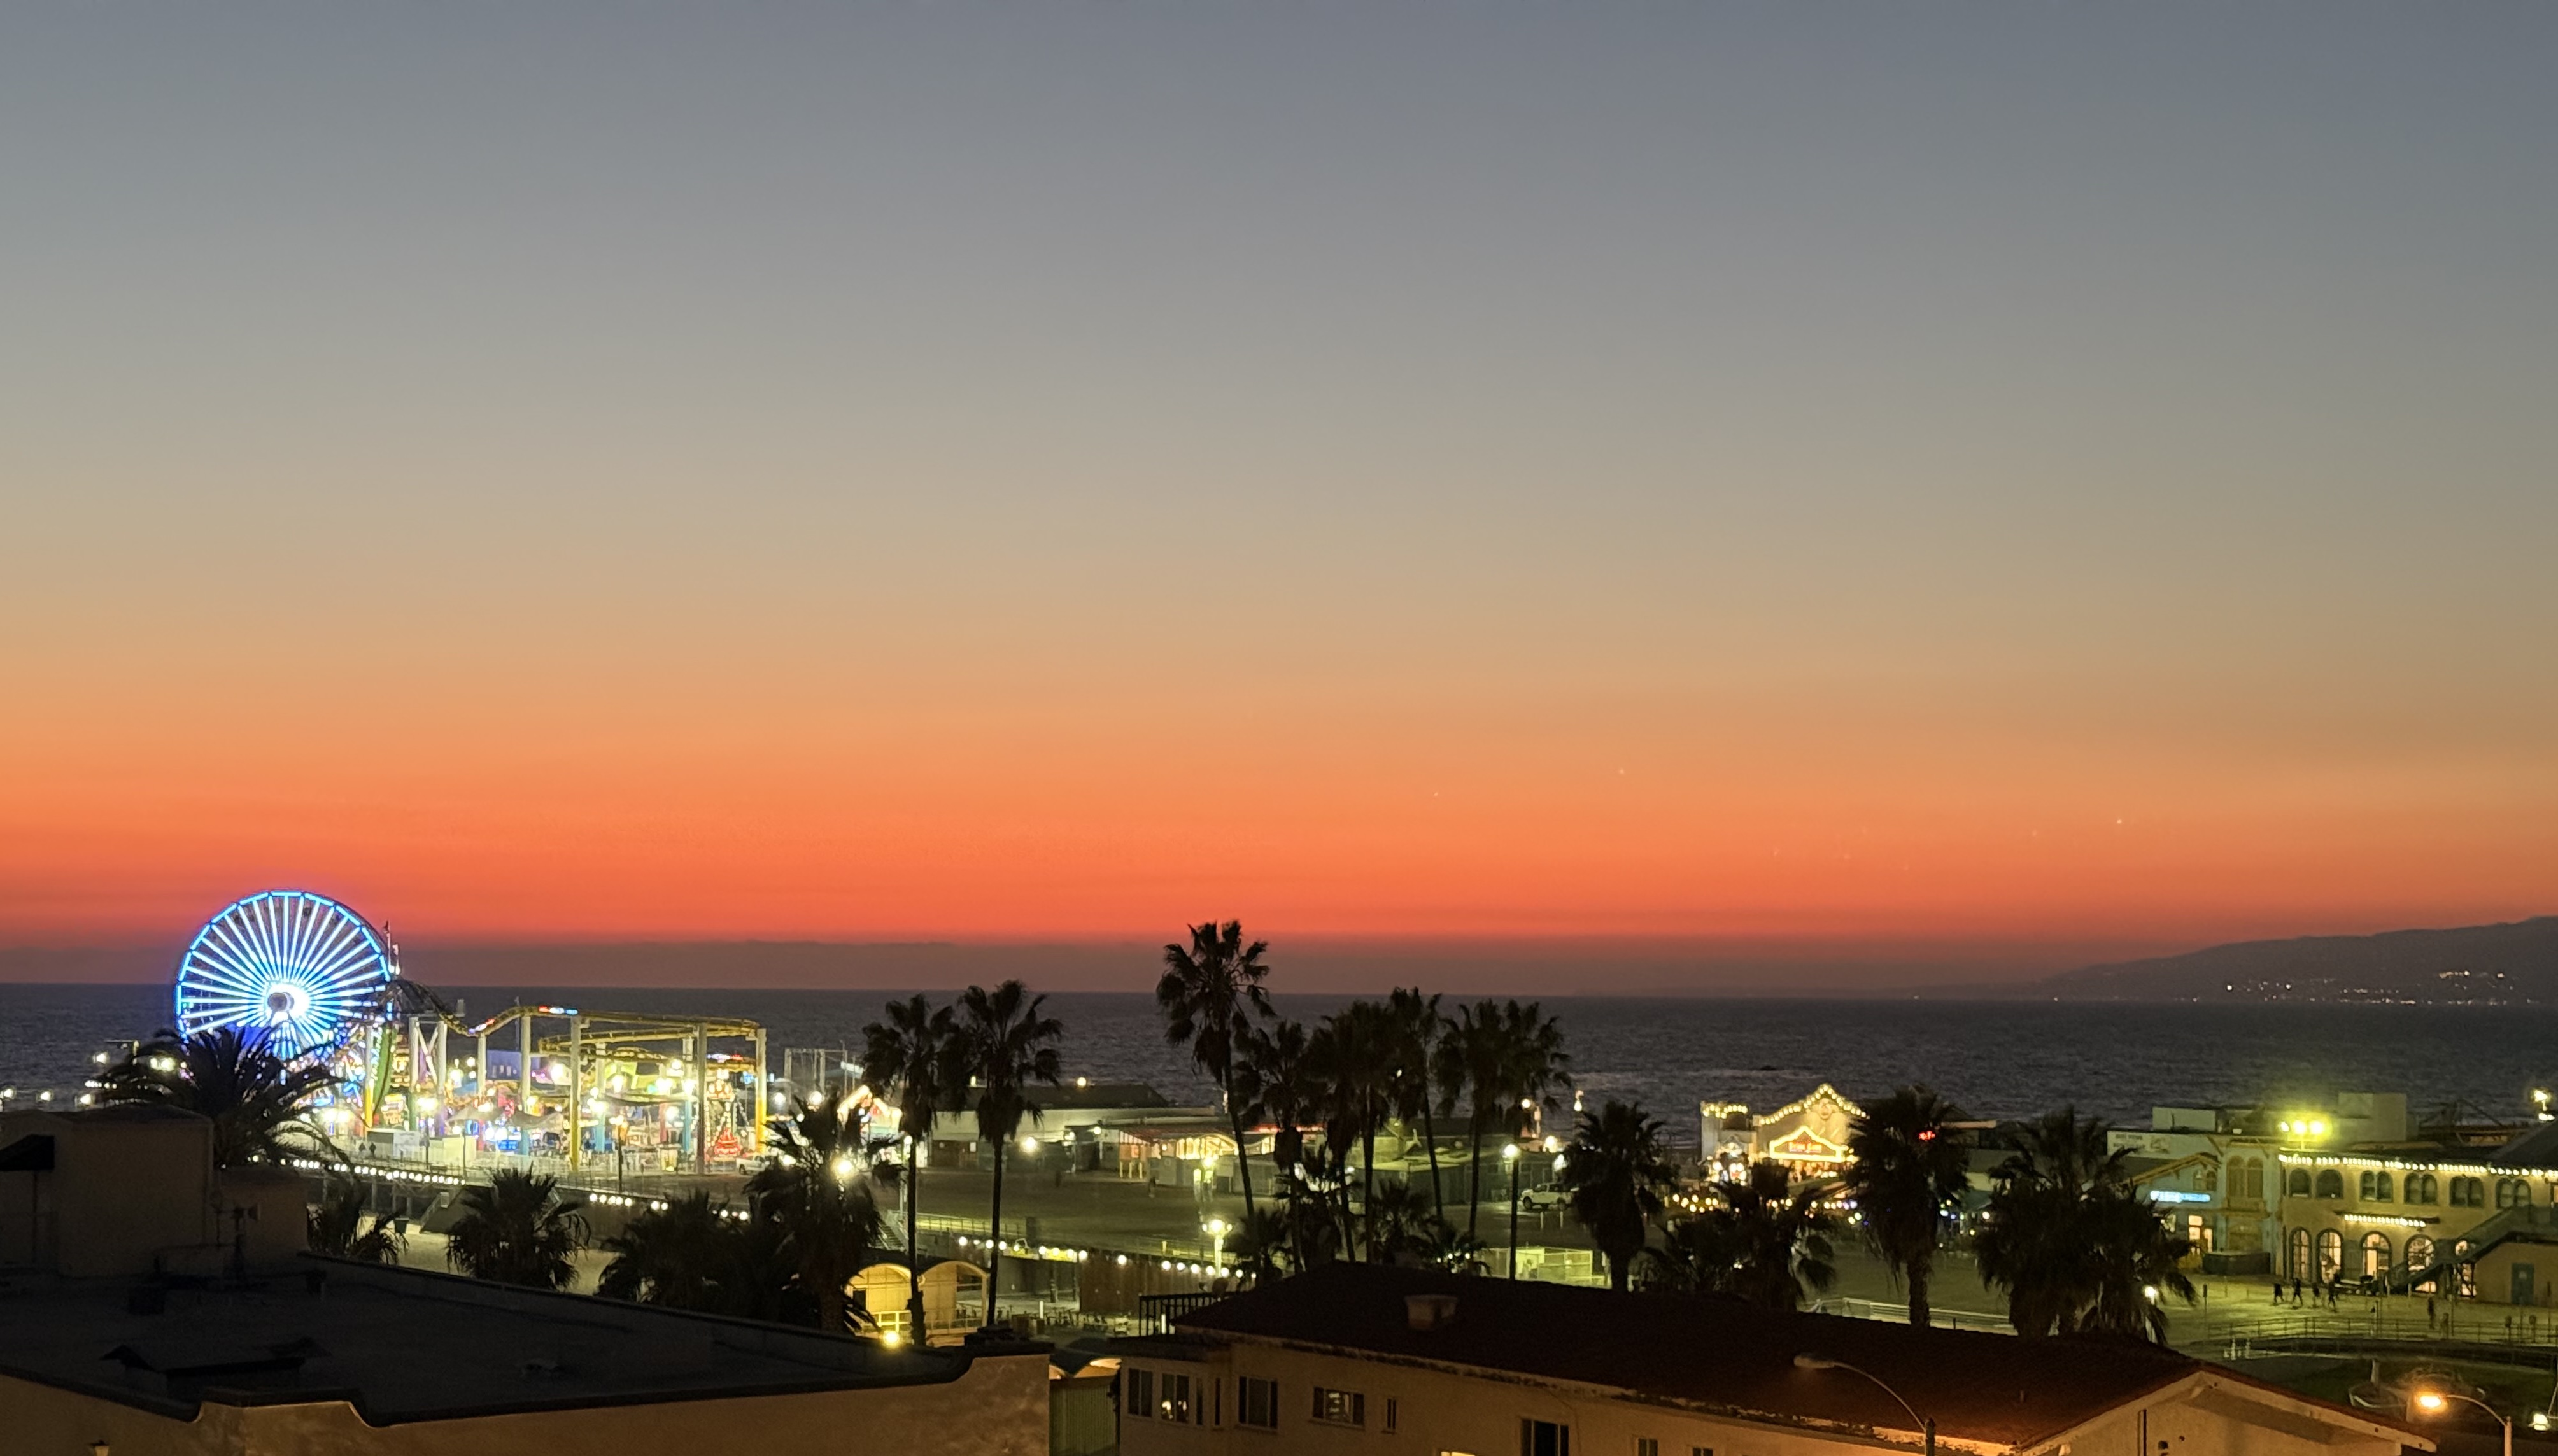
{"x": 2436, "y": 1401}
{"x": 1215, "y": 1228}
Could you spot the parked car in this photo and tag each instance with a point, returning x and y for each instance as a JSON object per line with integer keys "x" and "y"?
{"x": 1544, "y": 1200}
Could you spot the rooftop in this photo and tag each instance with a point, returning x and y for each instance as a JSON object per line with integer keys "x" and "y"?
{"x": 1717, "y": 1354}
{"x": 405, "y": 1344}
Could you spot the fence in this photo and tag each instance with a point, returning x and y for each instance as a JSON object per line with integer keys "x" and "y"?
{"x": 1898, "y": 1314}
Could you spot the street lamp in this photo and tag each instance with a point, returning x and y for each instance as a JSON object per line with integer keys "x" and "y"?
{"x": 1511, "y": 1155}
{"x": 1215, "y": 1229}
{"x": 1927, "y": 1424}
{"x": 2435, "y": 1403}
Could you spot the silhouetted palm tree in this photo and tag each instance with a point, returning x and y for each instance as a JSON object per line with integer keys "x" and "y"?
{"x": 1500, "y": 1054}
{"x": 917, "y": 1050}
{"x": 817, "y": 1191}
{"x": 1210, "y": 991}
{"x": 1275, "y": 1067}
{"x": 517, "y": 1230}
{"x": 1614, "y": 1170}
{"x": 682, "y": 1255}
{"x": 1353, "y": 1053}
{"x": 1007, "y": 1045}
{"x": 259, "y": 1103}
{"x": 337, "y": 1225}
{"x": 1905, "y": 1170}
{"x": 1417, "y": 1029}
{"x": 1257, "y": 1245}
{"x": 1766, "y": 1242}
{"x": 2070, "y": 1240}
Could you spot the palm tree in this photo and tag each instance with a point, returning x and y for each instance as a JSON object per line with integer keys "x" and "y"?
{"x": 1905, "y": 1170}
{"x": 259, "y": 1102}
{"x": 1471, "y": 1060}
{"x": 1007, "y": 1045}
{"x": 1766, "y": 1244}
{"x": 1256, "y": 1245}
{"x": 2070, "y": 1240}
{"x": 516, "y": 1229}
{"x": 1209, "y": 992}
{"x": 1398, "y": 1223}
{"x": 681, "y": 1256}
{"x": 1614, "y": 1169}
{"x": 1500, "y": 1054}
{"x": 1352, "y": 1052}
{"x": 915, "y": 1049}
{"x": 815, "y": 1189}
{"x": 1276, "y": 1068}
{"x": 335, "y": 1226}
{"x": 1417, "y": 1029}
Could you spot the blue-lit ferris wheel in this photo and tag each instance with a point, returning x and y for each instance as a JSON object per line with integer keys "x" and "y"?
{"x": 295, "y": 970}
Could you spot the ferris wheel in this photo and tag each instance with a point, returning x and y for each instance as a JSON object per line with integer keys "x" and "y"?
{"x": 294, "y": 970}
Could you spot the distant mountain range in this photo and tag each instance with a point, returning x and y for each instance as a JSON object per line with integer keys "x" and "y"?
{"x": 2500, "y": 963}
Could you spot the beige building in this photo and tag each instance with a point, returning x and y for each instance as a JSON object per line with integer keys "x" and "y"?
{"x": 150, "y": 1306}
{"x": 1367, "y": 1359}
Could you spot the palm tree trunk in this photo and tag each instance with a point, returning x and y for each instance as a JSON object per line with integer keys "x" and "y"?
{"x": 914, "y": 1270}
{"x": 1367, "y": 1178}
{"x": 1242, "y": 1159}
{"x": 995, "y": 1227}
{"x": 1918, "y": 1273}
{"x": 1430, "y": 1138}
{"x": 1474, "y": 1169}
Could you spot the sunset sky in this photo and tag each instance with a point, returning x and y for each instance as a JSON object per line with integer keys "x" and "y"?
{"x": 1943, "y": 489}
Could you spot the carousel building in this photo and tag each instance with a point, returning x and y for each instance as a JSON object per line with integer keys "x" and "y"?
{"x": 1807, "y": 1135}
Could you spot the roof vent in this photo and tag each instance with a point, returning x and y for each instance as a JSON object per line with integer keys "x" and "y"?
{"x": 1428, "y": 1311}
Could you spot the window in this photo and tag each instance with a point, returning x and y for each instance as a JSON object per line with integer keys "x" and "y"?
{"x": 2297, "y": 1185}
{"x": 2424, "y": 1188}
{"x": 1139, "y": 1399}
{"x": 2420, "y": 1257}
{"x": 1256, "y": 1403}
{"x": 2512, "y": 1193}
{"x": 1647, "y": 1446}
{"x": 2253, "y": 1171}
{"x": 2375, "y": 1255}
{"x": 2467, "y": 1273}
{"x": 2469, "y": 1193}
{"x": 1389, "y": 1414}
{"x": 1544, "y": 1438}
{"x": 2331, "y": 1183}
{"x": 1341, "y": 1407}
{"x": 1176, "y": 1404}
{"x": 2386, "y": 1191}
{"x": 1700, "y": 1451}
{"x": 2330, "y": 1255}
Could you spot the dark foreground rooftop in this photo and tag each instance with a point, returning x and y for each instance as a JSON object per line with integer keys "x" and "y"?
{"x": 405, "y": 1344}
{"x": 1712, "y": 1354}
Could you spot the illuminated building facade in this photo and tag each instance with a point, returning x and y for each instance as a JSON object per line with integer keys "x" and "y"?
{"x": 1808, "y": 1135}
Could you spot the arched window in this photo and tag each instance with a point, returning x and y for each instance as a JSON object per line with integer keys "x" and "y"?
{"x": 2331, "y": 1183}
{"x": 2367, "y": 1187}
{"x": 2253, "y": 1170}
{"x": 2469, "y": 1193}
{"x": 2467, "y": 1271}
{"x": 2331, "y": 1253}
{"x": 2386, "y": 1191}
{"x": 2298, "y": 1183}
{"x": 2297, "y": 1253}
{"x": 2423, "y": 1188}
{"x": 2375, "y": 1255}
{"x": 2512, "y": 1193}
{"x": 2420, "y": 1257}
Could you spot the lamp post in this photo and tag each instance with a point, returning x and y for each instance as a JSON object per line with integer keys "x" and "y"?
{"x": 1215, "y": 1229}
{"x": 1927, "y": 1424}
{"x": 1511, "y": 1155}
{"x": 2435, "y": 1403}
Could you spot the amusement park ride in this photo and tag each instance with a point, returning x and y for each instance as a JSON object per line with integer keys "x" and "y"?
{"x": 309, "y": 977}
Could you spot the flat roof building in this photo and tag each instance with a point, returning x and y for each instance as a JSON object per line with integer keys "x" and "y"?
{"x": 1335, "y": 1359}
{"x": 355, "y": 1357}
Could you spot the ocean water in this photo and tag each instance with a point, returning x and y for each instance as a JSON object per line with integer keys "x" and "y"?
{"x": 1995, "y": 1058}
